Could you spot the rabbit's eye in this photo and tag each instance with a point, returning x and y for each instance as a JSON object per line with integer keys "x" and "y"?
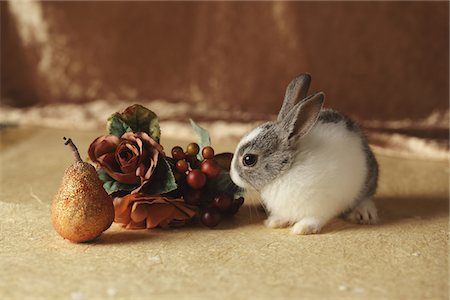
{"x": 249, "y": 160}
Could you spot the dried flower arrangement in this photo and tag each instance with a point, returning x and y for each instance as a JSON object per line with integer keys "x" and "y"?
{"x": 150, "y": 188}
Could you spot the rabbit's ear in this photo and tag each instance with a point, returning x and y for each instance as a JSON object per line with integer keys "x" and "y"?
{"x": 296, "y": 91}
{"x": 303, "y": 116}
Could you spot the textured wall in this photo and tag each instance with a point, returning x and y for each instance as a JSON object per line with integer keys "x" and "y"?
{"x": 374, "y": 60}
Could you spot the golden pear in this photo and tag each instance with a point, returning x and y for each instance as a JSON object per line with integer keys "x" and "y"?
{"x": 81, "y": 209}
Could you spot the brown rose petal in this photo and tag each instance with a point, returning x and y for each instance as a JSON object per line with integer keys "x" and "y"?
{"x": 120, "y": 205}
{"x": 101, "y": 152}
{"x": 176, "y": 220}
{"x": 109, "y": 164}
{"x": 126, "y": 152}
{"x": 140, "y": 145}
{"x": 153, "y": 163}
{"x": 134, "y": 225}
{"x": 107, "y": 145}
{"x": 127, "y": 164}
{"x": 138, "y": 211}
{"x": 144, "y": 137}
{"x": 130, "y": 168}
{"x": 130, "y": 159}
{"x": 102, "y": 145}
{"x": 124, "y": 217}
{"x": 107, "y": 161}
{"x": 159, "y": 214}
{"x": 140, "y": 170}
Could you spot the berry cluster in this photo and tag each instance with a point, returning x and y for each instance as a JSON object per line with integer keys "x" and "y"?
{"x": 195, "y": 179}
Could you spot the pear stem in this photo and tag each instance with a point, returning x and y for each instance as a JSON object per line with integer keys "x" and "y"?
{"x": 74, "y": 149}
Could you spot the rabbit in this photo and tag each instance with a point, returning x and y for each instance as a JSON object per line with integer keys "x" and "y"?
{"x": 309, "y": 166}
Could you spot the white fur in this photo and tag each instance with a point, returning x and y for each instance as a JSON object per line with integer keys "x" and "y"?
{"x": 325, "y": 179}
{"x": 249, "y": 136}
{"x": 236, "y": 178}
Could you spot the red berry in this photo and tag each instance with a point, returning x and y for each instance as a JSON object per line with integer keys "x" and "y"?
{"x": 181, "y": 166}
{"x": 193, "y": 162}
{"x": 223, "y": 202}
{"x": 196, "y": 179}
{"x": 234, "y": 207}
{"x": 192, "y": 149}
{"x": 211, "y": 218}
{"x": 178, "y": 153}
{"x": 210, "y": 168}
{"x": 193, "y": 197}
{"x": 239, "y": 201}
{"x": 179, "y": 177}
{"x": 208, "y": 152}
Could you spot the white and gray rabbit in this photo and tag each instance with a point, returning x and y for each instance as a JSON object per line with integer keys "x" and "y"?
{"x": 309, "y": 166}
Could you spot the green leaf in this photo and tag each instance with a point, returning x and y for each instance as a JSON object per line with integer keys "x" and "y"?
{"x": 171, "y": 161}
{"x": 224, "y": 160}
{"x": 116, "y": 126}
{"x": 154, "y": 129}
{"x": 203, "y": 137}
{"x": 141, "y": 119}
{"x": 111, "y": 185}
{"x": 223, "y": 184}
{"x": 162, "y": 180}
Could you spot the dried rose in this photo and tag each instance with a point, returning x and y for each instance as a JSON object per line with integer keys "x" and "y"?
{"x": 139, "y": 211}
{"x": 130, "y": 159}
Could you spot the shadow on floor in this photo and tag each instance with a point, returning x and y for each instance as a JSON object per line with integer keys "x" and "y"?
{"x": 124, "y": 237}
{"x": 394, "y": 210}
{"x": 390, "y": 210}
{"x": 249, "y": 214}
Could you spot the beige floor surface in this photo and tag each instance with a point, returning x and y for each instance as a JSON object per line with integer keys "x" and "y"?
{"x": 404, "y": 257}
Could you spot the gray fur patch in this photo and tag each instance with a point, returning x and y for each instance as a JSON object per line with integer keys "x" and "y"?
{"x": 273, "y": 158}
{"x": 371, "y": 182}
{"x": 332, "y": 116}
{"x": 267, "y": 139}
{"x": 266, "y": 127}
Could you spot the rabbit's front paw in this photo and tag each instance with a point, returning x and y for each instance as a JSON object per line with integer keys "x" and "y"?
{"x": 307, "y": 226}
{"x": 272, "y": 222}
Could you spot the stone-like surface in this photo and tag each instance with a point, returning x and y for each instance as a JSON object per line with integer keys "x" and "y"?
{"x": 404, "y": 257}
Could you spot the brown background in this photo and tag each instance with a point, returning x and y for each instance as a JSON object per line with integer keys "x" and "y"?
{"x": 374, "y": 60}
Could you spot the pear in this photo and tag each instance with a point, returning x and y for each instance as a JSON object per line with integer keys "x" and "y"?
{"x": 81, "y": 209}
